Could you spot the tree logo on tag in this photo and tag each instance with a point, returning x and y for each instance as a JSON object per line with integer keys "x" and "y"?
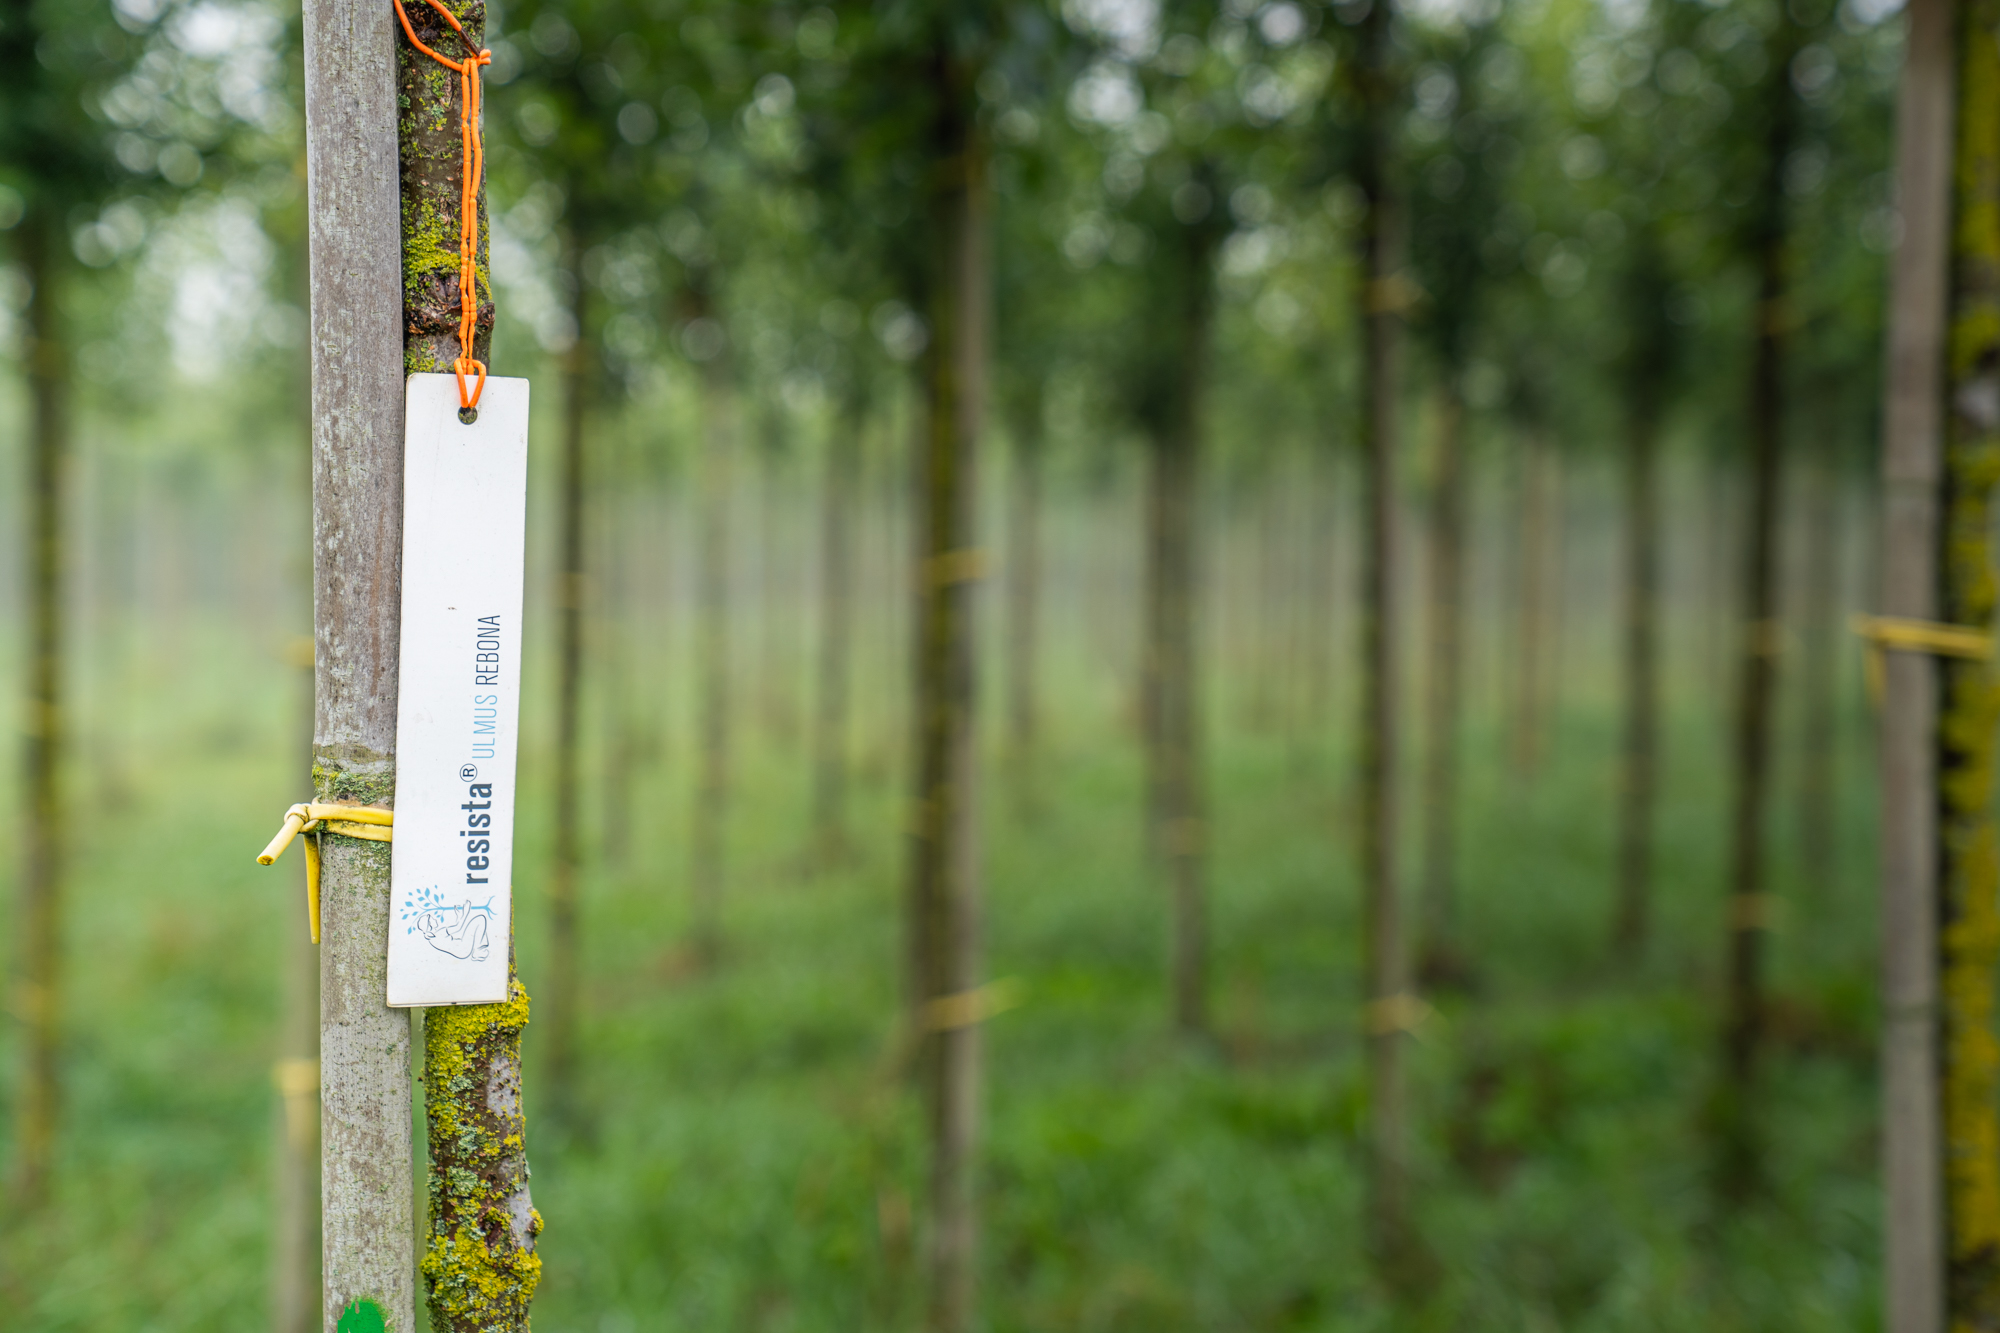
{"x": 462, "y": 929}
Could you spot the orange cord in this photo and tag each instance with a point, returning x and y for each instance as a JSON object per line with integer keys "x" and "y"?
{"x": 468, "y": 217}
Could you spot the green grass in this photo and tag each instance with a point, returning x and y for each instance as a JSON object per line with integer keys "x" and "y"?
{"x": 749, "y": 1159}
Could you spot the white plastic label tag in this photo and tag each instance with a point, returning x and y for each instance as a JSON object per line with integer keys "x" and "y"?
{"x": 465, "y": 493}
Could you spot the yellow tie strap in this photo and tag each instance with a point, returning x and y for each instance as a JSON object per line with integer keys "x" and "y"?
{"x": 371, "y": 822}
{"x": 1884, "y": 634}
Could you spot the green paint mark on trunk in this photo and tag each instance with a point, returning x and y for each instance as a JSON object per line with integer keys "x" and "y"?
{"x": 362, "y": 1317}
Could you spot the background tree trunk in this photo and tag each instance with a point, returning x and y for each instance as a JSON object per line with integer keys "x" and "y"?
{"x": 1540, "y": 557}
{"x": 565, "y": 1000}
{"x": 1384, "y": 969}
{"x": 1817, "y": 674}
{"x": 1913, "y": 426}
{"x": 708, "y": 841}
{"x": 1639, "y": 776}
{"x": 368, "y": 1243}
{"x": 1174, "y": 752}
{"x": 944, "y": 878}
{"x": 836, "y": 634}
{"x": 1443, "y": 959}
{"x": 44, "y": 832}
{"x": 295, "y": 1075}
{"x": 1024, "y": 592}
{"x": 1968, "y": 844}
{"x": 1749, "y": 902}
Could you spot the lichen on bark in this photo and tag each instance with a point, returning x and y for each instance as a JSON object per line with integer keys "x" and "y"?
{"x": 480, "y": 1266}
{"x": 433, "y": 166}
{"x": 1969, "y": 851}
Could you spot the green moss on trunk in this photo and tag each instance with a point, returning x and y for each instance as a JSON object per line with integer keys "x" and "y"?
{"x": 432, "y": 156}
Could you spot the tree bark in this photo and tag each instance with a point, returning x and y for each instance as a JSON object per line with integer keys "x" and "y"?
{"x": 1443, "y": 958}
{"x": 1384, "y": 969}
{"x": 357, "y": 391}
{"x": 565, "y": 964}
{"x": 836, "y": 636}
{"x": 1913, "y": 427}
{"x": 708, "y": 843}
{"x": 1968, "y": 843}
{"x": 44, "y": 831}
{"x": 944, "y": 869}
{"x": 1750, "y": 910}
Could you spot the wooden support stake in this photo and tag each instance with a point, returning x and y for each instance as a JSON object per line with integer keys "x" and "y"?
{"x": 357, "y": 442}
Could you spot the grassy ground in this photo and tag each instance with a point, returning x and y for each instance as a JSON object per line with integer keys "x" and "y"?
{"x": 749, "y": 1159}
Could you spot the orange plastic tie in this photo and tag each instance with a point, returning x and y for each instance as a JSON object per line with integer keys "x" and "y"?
{"x": 468, "y": 203}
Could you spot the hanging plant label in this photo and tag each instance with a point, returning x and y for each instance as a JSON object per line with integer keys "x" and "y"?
{"x": 465, "y": 494}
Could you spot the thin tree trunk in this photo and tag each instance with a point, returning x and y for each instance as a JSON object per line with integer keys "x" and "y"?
{"x": 1913, "y": 427}
{"x": 1443, "y": 958}
{"x": 836, "y": 635}
{"x": 295, "y": 1208}
{"x": 944, "y": 878}
{"x": 1749, "y": 902}
{"x": 1385, "y": 971}
{"x": 712, "y": 665}
{"x": 1532, "y": 630}
{"x": 1174, "y": 754}
{"x": 1968, "y": 842}
{"x": 617, "y": 613}
{"x": 480, "y": 1267}
{"x": 1639, "y": 779}
{"x": 1817, "y": 667}
{"x": 564, "y": 993}
{"x": 44, "y": 831}
{"x": 368, "y": 1242}
{"x": 1024, "y": 593}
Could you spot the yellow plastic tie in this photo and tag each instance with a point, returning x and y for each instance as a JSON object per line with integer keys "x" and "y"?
{"x": 370, "y": 822}
{"x": 1884, "y": 634}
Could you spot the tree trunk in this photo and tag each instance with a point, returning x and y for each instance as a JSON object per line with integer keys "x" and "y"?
{"x": 565, "y": 999}
{"x": 1913, "y": 426}
{"x": 368, "y": 1243}
{"x": 836, "y": 635}
{"x": 44, "y": 831}
{"x": 480, "y": 1267}
{"x": 1444, "y": 960}
{"x": 1749, "y": 902}
{"x": 1024, "y": 592}
{"x": 1639, "y": 779}
{"x": 1969, "y": 860}
{"x": 944, "y": 871}
{"x": 712, "y": 666}
{"x": 1385, "y": 972}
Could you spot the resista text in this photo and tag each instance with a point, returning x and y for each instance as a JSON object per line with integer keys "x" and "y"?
{"x": 478, "y": 830}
